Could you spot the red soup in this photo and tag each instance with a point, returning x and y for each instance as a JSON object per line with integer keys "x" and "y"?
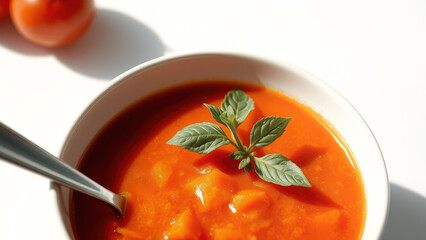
{"x": 177, "y": 194}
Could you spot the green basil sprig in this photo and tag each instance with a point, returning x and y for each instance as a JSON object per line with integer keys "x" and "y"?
{"x": 206, "y": 137}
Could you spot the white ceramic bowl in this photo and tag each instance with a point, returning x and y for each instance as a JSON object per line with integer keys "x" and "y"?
{"x": 165, "y": 71}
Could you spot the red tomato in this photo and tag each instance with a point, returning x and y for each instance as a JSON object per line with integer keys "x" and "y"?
{"x": 52, "y": 23}
{"x": 4, "y": 9}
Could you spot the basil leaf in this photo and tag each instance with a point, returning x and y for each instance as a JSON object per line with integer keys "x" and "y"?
{"x": 237, "y": 155}
{"x": 200, "y": 137}
{"x": 228, "y": 120}
{"x": 244, "y": 163}
{"x": 248, "y": 168}
{"x": 215, "y": 112}
{"x": 276, "y": 168}
{"x": 230, "y": 111}
{"x": 266, "y": 130}
{"x": 240, "y": 102}
{"x": 205, "y": 137}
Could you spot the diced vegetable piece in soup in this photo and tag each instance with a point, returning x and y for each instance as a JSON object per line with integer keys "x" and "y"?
{"x": 327, "y": 219}
{"x": 250, "y": 200}
{"x": 227, "y": 233}
{"x": 161, "y": 173}
{"x": 184, "y": 227}
{"x": 127, "y": 233}
{"x": 213, "y": 189}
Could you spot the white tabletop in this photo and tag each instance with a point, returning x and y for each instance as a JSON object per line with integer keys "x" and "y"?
{"x": 373, "y": 52}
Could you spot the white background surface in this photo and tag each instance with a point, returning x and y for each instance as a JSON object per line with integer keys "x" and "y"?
{"x": 373, "y": 52}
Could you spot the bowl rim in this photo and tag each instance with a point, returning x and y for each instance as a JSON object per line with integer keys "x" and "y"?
{"x": 311, "y": 78}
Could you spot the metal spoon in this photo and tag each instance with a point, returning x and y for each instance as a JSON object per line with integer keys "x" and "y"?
{"x": 21, "y": 151}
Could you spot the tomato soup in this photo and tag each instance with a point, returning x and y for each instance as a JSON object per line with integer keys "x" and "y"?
{"x": 177, "y": 194}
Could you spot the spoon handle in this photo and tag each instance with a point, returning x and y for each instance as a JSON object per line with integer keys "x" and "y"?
{"x": 21, "y": 151}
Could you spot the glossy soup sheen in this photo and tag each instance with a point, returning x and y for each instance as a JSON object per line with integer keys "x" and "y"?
{"x": 177, "y": 194}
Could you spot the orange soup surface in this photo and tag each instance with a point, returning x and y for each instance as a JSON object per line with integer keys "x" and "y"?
{"x": 177, "y": 194}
